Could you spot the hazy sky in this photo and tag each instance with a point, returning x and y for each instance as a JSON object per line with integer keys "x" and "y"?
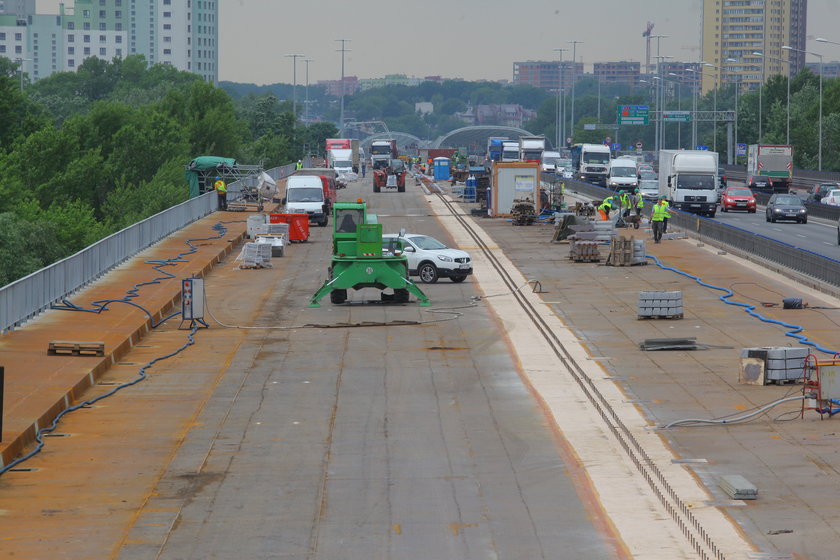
{"x": 470, "y": 39}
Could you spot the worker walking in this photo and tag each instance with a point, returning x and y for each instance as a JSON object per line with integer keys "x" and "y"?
{"x": 605, "y": 208}
{"x": 364, "y": 167}
{"x": 221, "y": 190}
{"x": 660, "y": 213}
{"x": 638, "y": 202}
{"x": 624, "y": 203}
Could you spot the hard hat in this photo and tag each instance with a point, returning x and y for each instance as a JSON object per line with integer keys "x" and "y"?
{"x": 663, "y": 197}
{"x": 217, "y": 178}
{"x": 621, "y": 191}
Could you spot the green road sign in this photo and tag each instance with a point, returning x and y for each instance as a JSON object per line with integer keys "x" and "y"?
{"x": 633, "y": 114}
{"x": 676, "y": 116}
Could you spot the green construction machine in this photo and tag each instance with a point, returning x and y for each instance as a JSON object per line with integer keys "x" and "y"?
{"x": 359, "y": 262}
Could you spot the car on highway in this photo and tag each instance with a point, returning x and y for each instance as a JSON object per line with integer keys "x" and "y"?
{"x": 649, "y": 185}
{"x": 428, "y": 258}
{"x": 737, "y": 198}
{"x": 783, "y": 206}
{"x": 832, "y": 198}
{"x": 817, "y": 192}
{"x": 722, "y": 177}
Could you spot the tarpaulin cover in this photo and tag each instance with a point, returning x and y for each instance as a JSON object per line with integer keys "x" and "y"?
{"x": 205, "y": 163}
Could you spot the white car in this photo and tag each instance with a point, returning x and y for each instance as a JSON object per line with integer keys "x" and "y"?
{"x": 832, "y": 198}
{"x": 428, "y": 258}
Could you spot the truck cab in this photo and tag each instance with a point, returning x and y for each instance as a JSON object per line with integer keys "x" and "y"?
{"x": 510, "y": 151}
{"x": 623, "y": 174}
{"x": 591, "y": 162}
{"x": 688, "y": 179}
{"x": 305, "y": 195}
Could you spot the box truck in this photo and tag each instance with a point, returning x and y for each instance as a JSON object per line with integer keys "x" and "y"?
{"x": 688, "y": 180}
{"x": 769, "y": 168}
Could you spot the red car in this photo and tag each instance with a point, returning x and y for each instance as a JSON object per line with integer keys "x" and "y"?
{"x": 737, "y": 198}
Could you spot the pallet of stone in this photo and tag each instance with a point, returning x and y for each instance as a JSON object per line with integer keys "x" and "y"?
{"x": 737, "y": 487}
{"x": 626, "y": 252}
{"x": 584, "y": 251}
{"x": 660, "y": 305}
{"x": 75, "y": 348}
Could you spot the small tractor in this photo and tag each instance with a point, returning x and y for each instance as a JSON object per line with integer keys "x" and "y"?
{"x": 392, "y": 176}
{"x": 358, "y": 260}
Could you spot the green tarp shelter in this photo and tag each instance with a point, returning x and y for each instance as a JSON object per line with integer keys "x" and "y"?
{"x": 202, "y": 171}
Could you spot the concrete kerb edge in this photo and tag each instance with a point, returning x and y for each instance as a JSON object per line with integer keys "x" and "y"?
{"x": 17, "y": 444}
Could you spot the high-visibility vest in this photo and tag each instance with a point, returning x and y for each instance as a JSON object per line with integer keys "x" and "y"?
{"x": 220, "y": 186}
{"x": 607, "y": 204}
{"x": 660, "y": 211}
{"x": 625, "y": 200}
{"x": 640, "y": 201}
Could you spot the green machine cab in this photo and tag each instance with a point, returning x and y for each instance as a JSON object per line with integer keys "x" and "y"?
{"x": 359, "y": 262}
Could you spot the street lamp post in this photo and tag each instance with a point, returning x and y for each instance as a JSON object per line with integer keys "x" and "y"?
{"x": 306, "y": 101}
{"x": 20, "y": 61}
{"x": 679, "y": 98}
{"x": 294, "y": 58}
{"x": 561, "y": 123}
{"x": 819, "y": 155}
{"x": 342, "y": 50}
{"x": 788, "y": 87}
{"x": 660, "y": 124}
{"x": 714, "y": 109}
{"x": 574, "y": 79}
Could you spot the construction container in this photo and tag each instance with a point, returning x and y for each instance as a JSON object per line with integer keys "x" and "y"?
{"x": 298, "y": 225}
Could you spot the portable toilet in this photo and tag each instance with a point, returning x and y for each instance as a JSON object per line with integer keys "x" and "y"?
{"x": 441, "y": 169}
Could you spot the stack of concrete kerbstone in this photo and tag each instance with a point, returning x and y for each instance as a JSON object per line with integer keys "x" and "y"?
{"x": 660, "y": 305}
{"x": 781, "y": 363}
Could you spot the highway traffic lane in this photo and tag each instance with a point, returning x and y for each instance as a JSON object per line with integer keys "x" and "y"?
{"x": 400, "y": 442}
{"x": 817, "y": 235}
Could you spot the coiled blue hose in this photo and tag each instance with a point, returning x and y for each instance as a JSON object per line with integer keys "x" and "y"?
{"x": 793, "y": 331}
{"x": 100, "y": 306}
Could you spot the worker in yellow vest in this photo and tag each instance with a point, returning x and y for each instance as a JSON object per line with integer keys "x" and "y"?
{"x": 221, "y": 190}
{"x": 605, "y": 208}
{"x": 660, "y": 213}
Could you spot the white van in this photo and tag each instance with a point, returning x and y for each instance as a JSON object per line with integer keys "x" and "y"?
{"x": 623, "y": 174}
{"x": 305, "y": 195}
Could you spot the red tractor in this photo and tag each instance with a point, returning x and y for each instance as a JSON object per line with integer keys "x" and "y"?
{"x": 392, "y": 176}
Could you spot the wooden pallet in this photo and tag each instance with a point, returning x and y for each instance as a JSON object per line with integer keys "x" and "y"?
{"x": 72, "y": 348}
{"x": 677, "y": 316}
{"x": 585, "y": 259}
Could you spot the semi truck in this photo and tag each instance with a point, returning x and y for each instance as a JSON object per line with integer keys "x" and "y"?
{"x": 688, "y": 180}
{"x": 494, "y": 148}
{"x": 382, "y": 152}
{"x": 591, "y": 162}
{"x": 531, "y": 148}
{"x": 769, "y": 168}
{"x": 510, "y": 150}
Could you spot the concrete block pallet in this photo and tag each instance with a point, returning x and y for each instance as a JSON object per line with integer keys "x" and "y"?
{"x": 660, "y": 305}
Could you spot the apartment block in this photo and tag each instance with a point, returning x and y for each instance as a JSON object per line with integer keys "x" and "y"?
{"x": 182, "y": 33}
{"x": 549, "y": 75}
{"x": 734, "y": 30}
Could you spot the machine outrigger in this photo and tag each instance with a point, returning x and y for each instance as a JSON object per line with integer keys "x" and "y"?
{"x": 359, "y": 262}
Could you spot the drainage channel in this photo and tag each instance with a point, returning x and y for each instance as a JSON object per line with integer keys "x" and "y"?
{"x": 697, "y": 536}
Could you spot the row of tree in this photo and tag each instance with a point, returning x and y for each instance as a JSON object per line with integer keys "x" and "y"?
{"x": 87, "y": 153}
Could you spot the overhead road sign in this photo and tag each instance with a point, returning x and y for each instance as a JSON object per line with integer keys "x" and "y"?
{"x": 633, "y": 114}
{"x": 676, "y": 116}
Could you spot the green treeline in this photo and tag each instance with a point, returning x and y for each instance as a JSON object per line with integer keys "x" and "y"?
{"x": 84, "y": 154}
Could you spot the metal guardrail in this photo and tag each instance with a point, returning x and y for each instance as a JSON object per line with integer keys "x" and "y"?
{"x": 804, "y": 261}
{"x": 25, "y": 298}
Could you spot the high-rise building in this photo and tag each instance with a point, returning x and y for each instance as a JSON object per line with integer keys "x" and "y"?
{"x": 182, "y": 33}
{"x": 627, "y": 73}
{"x": 734, "y": 29}
{"x": 549, "y": 75}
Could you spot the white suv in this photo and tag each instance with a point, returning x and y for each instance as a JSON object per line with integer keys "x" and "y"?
{"x": 428, "y": 258}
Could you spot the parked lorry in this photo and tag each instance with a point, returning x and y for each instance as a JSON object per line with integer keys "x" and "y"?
{"x": 341, "y": 159}
{"x": 531, "y": 148}
{"x": 591, "y": 163}
{"x": 382, "y": 152}
{"x": 510, "y": 150}
{"x": 623, "y": 174}
{"x": 769, "y": 168}
{"x": 688, "y": 180}
{"x": 494, "y": 148}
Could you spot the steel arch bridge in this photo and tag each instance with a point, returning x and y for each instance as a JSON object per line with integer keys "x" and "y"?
{"x": 478, "y": 135}
{"x": 404, "y": 140}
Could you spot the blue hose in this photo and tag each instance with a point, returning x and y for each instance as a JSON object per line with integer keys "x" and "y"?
{"x": 100, "y": 306}
{"x": 39, "y": 435}
{"x": 749, "y": 308}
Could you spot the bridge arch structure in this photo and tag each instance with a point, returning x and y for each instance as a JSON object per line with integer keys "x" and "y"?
{"x": 476, "y": 136}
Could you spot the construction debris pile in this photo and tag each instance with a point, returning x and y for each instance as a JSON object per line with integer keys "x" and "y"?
{"x": 523, "y": 212}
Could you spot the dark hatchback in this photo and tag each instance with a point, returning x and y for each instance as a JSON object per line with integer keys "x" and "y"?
{"x": 783, "y": 206}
